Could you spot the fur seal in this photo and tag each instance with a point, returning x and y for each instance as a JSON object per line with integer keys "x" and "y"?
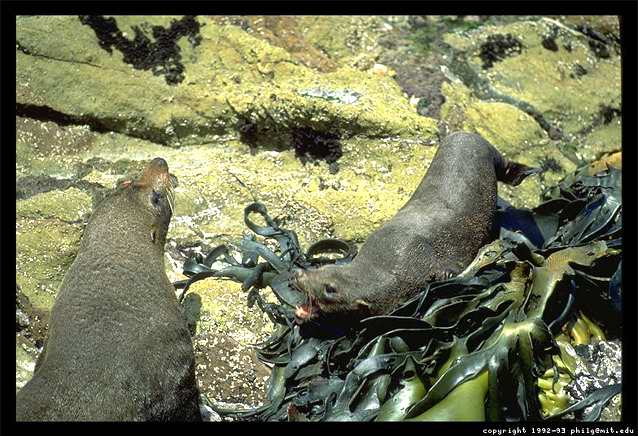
{"x": 434, "y": 236}
{"x": 118, "y": 348}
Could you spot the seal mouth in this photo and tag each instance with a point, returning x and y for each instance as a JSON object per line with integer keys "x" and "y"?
{"x": 306, "y": 311}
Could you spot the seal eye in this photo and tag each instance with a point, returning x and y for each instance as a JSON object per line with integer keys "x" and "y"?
{"x": 329, "y": 291}
{"x": 155, "y": 198}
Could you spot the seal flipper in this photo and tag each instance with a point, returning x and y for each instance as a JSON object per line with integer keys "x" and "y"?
{"x": 514, "y": 173}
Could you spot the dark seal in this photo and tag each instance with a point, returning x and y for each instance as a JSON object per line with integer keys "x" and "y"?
{"x": 118, "y": 348}
{"x": 434, "y": 236}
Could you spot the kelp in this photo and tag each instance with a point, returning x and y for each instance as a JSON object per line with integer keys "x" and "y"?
{"x": 488, "y": 344}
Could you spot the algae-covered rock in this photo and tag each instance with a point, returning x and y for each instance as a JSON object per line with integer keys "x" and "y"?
{"x": 25, "y": 362}
{"x": 69, "y": 205}
{"x": 539, "y": 92}
{"x": 510, "y": 129}
{"x": 44, "y": 251}
{"x": 227, "y": 366}
{"x": 231, "y": 80}
{"x": 549, "y": 68}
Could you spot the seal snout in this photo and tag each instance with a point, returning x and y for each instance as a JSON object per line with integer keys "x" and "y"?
{"x": 307, "y": 310}
{"x": 157, "y": 178}
{"x": 156, "y": 173}
{"x": 160, "y": 164}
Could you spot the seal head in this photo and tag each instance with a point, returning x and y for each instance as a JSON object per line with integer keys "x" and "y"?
{"x": 154, "y": 195}
{"x": 324, "y": 292}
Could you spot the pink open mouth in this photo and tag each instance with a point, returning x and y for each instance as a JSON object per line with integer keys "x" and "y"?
{"x": 306, "y": 311}
{"x": 303, "y": 312}
{"x": 309, "y": 309}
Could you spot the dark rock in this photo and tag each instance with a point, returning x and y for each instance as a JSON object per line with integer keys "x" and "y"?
{"x": 498, "y": 47}
{"x": 608, "y": 113}
{"x": 313, "y": 145}
{"x": 550, "y": 164}
{"x": 161, "y": 56}
{"x": 555, "y": 133}
{"x": 550, "y": 43}
{"x": 598, "y": 364}
{"x": 422, "y": 106}
{"x": 599, "y": 49}
{"x": 577, "y": 71}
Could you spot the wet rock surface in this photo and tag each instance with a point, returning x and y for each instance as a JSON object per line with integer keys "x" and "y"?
{"x": 598, "y": 365}
{"x": 329, "y": 121}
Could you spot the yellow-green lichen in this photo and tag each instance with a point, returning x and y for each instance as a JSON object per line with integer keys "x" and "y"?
{"x": 230, "y": 75}
{"x": 45, "y": 249}
{"x": 225, "y": 312}
{"x": 350, "y": 40}
{"x": 603, "y": 138}
{"x": 69, "y": 205}
{"x": 507, "y": 127}
{"x": 545, "y": 78}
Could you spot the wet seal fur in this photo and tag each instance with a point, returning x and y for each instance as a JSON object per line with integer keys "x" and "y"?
{"x": 118, "y": 348}
{"x": 434, "y": 236}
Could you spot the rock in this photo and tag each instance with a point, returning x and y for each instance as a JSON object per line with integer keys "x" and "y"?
{"x": 382, "y": 70}
{"x": 227, "y": 367}
{"x": 25, "y": 361}
{"x": 208, "y": 414}
{"x": 538, "y": 78}
{"x": 598, "y": 364}
{"x": 54, "y": 80}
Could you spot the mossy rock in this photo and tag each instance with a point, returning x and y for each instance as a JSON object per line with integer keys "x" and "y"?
{"x": 224, "y": 310}
{"x": 510, "y": 129}
{"x": 45, "y": 249}
{"x": 25, "y": 361}
{"x": 556, "y": 71}
{"x": 231, "y": 78}
{"x": 70, "y": 205}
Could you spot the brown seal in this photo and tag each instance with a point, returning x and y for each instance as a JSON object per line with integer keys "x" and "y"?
{"x": 434, "y": 236}
{"x": 118, "y": 348}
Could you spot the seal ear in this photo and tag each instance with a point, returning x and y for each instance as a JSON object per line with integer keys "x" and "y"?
{"x": 130, "y": 182}
{"x": 514, "y": 173}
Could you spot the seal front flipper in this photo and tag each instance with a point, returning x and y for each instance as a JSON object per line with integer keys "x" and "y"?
{"x": 513, "y": 173}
